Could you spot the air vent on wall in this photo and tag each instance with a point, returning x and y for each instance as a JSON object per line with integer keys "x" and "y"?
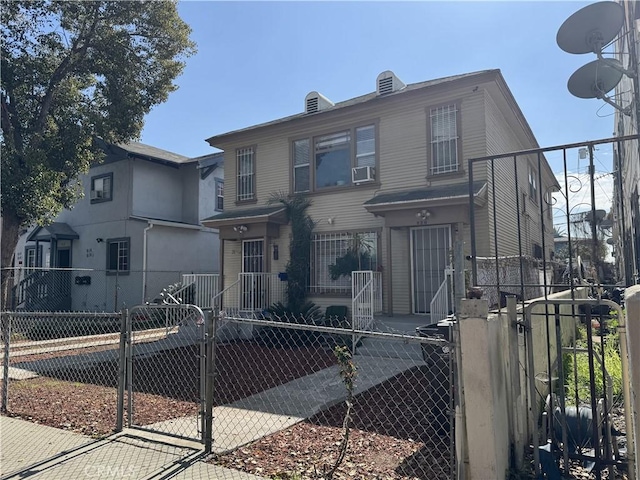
{"x": 387, "y": 82}
{"x": 314, "y": 102}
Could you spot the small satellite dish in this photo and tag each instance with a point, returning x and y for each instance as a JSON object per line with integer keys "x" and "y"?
{"x": 591, "y": 28}
{"x": 599, "y": 214}
{"x": 595, "y": 79}
{"x": 606, "y": 224}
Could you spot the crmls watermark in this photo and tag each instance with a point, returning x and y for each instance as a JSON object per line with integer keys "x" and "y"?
{"x": 110, "y": 471}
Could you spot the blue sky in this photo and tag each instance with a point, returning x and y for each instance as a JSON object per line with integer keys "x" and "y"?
{"x": 256, "y": 61}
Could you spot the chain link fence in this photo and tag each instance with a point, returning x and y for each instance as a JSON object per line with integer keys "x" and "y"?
{"x": 282, "y": 404}
{"x": 269, "y": 396}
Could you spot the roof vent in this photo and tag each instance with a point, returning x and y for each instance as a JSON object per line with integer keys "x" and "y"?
{"x": 314, "y": 102}
{"x": 387, "y": 82}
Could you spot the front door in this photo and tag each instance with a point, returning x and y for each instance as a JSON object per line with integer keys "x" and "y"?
{"x": 251, "y": 278}
{"x": 429, "y": 258}
{"x": 61, "y": 278}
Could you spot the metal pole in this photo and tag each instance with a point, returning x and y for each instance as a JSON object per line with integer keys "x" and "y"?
{"x": 533, "y": 400}
{"x": 595, "y": 260}
{"x": 211, "y": 321}
{"x": 6, "y": 337}
{"x": 122, "y": 364}
{"x": 472, "y": 228}
{"x": 129, "y": 374}
{"x": 514, "y": 393}
{"x": 561, "y": 376}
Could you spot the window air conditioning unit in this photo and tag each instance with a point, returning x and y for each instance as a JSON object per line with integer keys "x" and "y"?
{"x": 94, "y": 194}
{"x": 363, "y": 174}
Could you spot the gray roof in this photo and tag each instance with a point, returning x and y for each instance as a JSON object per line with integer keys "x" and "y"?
{"x": 247, "y": 213}
{"x": 361, "y": 99}
{"x": 210, "y": 159}
{"x": 152, "y": 153}
{"x": 56, "y": 231}
{"x": 426, "y": 193}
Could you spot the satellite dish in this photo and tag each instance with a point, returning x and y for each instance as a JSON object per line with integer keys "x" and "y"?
{"x": 599, "y": 214}
{"x": 591, "y": 28}
{"x": 596, "y": 78}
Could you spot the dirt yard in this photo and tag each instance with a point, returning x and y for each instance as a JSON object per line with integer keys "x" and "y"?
{"x": 391, "y": 436}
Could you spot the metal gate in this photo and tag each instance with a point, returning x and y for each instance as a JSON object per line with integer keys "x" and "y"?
{"x": 550, "y": 234}
{"x": 169, "y": 366}
{"x": 429, "y": 258}
{"x": 585, "y": 405}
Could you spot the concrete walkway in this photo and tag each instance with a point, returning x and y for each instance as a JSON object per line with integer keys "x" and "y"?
{"x": 268, "y": 412}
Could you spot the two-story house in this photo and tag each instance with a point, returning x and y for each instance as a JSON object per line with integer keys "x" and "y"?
{"x": 136, "y": 230}
{"x": 388, "y": 170}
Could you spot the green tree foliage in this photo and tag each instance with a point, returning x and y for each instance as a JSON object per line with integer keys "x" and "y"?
{"x": 73, "y": 71}
{"x": 302, "y": 226}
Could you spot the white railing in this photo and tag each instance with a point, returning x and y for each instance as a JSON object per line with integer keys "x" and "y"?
{"x": 441, "y": 302}
{"x": 367, "y": 298}
{"x": 251, "y": 293}
{"x": 259, "y": 291}
{"x": 227, "y": 300}
{"x": 206, "y": 285}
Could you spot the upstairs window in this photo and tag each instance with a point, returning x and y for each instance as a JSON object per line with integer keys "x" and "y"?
{"x": 533, "y": 184}
{"x": 301, "y": 174}
{"x": 334, "y": 159}
{"x": 219, "y": 194}
{"x": 102, "y": 188}
{"x": 118, "y": 256}
{"x": 245, "y": 158}
{"x": 444, "y": 139}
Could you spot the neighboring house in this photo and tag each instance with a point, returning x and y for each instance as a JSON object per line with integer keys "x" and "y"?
{"x": 387, "y": 169}
{"x": 627, "y": 166}
{"x": 137, "y": 230}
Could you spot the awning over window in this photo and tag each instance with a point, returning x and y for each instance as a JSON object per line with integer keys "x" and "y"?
{"x": 55, "y": 231}
{"x": 248, "y": 223}
{"x": 442, "y": 195}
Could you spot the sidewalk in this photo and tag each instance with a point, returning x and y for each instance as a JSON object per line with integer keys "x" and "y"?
{"x": 25, "y": 445}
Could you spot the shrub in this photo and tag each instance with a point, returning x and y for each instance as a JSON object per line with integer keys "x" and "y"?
{"x": 308, "y": 314}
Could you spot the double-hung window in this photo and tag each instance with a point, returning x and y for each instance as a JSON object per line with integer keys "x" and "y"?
{"x": 246, "y": 162}
{"x": 328, "y": 160}
{"x": 301, "y": 173}
{"x": 444, "y": 139}
{"x": 118, "y": 256}
{"x": 31, "y": 258}
{"x": 102, "y": 188}
{"x": 219, "y": 194}
{"x": 533, "y": 184}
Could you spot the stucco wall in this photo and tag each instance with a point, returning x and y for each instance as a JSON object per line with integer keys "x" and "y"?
{"x": 632, "y": 302}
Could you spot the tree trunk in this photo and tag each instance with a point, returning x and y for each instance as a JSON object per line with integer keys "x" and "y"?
{"x": 10, "y": 235}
